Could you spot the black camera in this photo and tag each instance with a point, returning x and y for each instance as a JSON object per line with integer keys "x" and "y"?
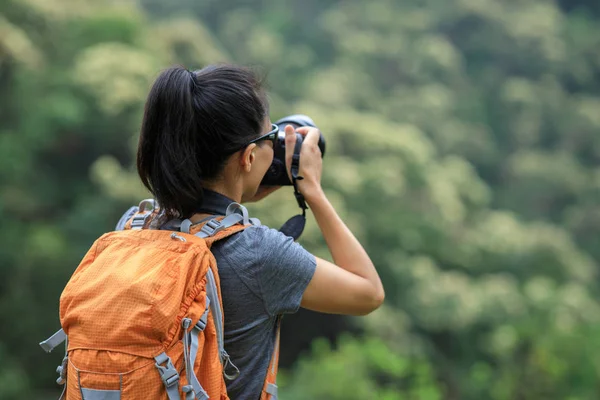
{"x": 277, "y": 174}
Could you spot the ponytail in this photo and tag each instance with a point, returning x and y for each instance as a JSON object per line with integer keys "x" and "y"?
{"x": 193, "y": 121}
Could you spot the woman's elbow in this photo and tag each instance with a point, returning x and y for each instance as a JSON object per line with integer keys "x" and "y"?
{"x": 371, "y": 303}
{"x": 379, "y": 298}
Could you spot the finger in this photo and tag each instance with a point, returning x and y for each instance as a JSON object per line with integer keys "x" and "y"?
{"x": 290, "y": 143}
{"x": 303, "y": 130}
{"x": 312, "y": 137}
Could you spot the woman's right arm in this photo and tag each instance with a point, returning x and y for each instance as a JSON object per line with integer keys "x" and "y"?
{"x": 351, "y": 285}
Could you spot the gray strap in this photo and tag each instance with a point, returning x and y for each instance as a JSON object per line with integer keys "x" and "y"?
{"x": 139, "y": 220}
{"x": 61, "y": 370}
{"x": 125, "y": 217}
{"x": 189, "y": 392}
{"x": 226, "y": 363}
{"x": 150, "y": 203}
{"x": 215, "y": 310}
{"x": 215, "y": 226}
{"x": 53, "y": 341}
{"x": 187, "y": 389}
{"x": 199, "y": 327}
{"x": 185, "y": 226}
{"x": 95, "y": 394}
{"x": 272, "y": 390}
{"x": 169, "y": 375}
{"x": 236, "y": 208}
{"x": 215, "y": 307}
{"x": 190, "y": 353}
{"x": 235, "y": 213}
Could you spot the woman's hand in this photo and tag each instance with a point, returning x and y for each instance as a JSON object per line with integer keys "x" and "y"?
{"x": 311, "y": 160}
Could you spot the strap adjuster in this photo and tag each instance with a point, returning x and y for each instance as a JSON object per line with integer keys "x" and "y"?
{"x": 170, "y": 381}
{"x": 213, "y": 223}
{"x": 61, "y": 370}
{"x": 168, "y": 373}
{"x": 139, "y": 220}
{"x": 211, "y": 227}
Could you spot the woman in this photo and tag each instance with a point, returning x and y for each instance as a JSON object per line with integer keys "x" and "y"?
{"x": 205, "y": 142}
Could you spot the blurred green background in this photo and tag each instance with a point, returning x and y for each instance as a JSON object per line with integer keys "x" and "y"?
{"x": 463, "y": 150}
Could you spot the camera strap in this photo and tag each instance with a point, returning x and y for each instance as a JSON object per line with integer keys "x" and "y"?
{"x": 295, "y": 225}
{"x": 295, "y": 169}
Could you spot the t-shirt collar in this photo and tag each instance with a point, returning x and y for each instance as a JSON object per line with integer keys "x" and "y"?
{"x": 213, "y": 203}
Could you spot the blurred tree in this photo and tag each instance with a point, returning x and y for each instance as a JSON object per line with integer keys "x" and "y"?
{"x": 73, "y": 78}
{"x": 463, "y": 150}
{"x": 360, "y": 369}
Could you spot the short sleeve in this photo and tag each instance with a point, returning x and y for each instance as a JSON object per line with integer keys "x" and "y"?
{"x": 284, "y": 272}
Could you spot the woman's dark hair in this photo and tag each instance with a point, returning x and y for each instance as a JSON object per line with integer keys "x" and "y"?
{"x": 193, "y": 122}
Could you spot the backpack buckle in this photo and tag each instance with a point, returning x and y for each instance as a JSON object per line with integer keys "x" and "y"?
{"x": 61, "y": 370}
{"x": 139, "y": 220}
{"x": 145, "y": 209}
{"x": 171, "y": 380}
{"x": 168, "y": 373}
{"x": 213, "y": 224}
{"x": 210, "y": 228}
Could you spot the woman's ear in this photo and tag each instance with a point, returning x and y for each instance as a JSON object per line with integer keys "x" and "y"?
{"x": 248, "y": 157}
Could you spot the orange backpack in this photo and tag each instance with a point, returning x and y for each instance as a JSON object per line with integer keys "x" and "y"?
{"x": 143, "y": 314}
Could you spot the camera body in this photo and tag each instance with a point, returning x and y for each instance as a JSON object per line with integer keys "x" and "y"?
{"x": 277, "y": 174}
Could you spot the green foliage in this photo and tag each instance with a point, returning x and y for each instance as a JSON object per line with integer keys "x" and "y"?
{"x": 463, "y": 151}
{"x": 13, "y": 380}
{"x": 359, "y": 369}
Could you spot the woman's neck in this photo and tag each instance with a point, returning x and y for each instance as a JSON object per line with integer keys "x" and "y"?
{"x": 234, "y": 192}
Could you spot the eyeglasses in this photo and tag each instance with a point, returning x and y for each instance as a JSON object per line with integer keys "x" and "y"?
{"x": 272, "y": 135}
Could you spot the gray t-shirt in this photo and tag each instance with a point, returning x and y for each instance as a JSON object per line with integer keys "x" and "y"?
{"x": 263, "y": 274}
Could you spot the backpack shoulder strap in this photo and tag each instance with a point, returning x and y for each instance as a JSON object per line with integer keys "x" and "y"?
{"x": 138, "y": 217}
{"x": 236, "y": 219}
{"x": 269, "y": 391}
{"x": 212, "y": 229}
{"x": 225, "y": 233}
{"x": 125, "y": 218}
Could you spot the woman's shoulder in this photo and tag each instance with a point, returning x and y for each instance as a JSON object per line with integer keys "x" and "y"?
{"x": 273, "y": 264}
{"x": 262, "y": 243}
{"x": 256, "y": 240}
{"x": 259, "y": 235}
